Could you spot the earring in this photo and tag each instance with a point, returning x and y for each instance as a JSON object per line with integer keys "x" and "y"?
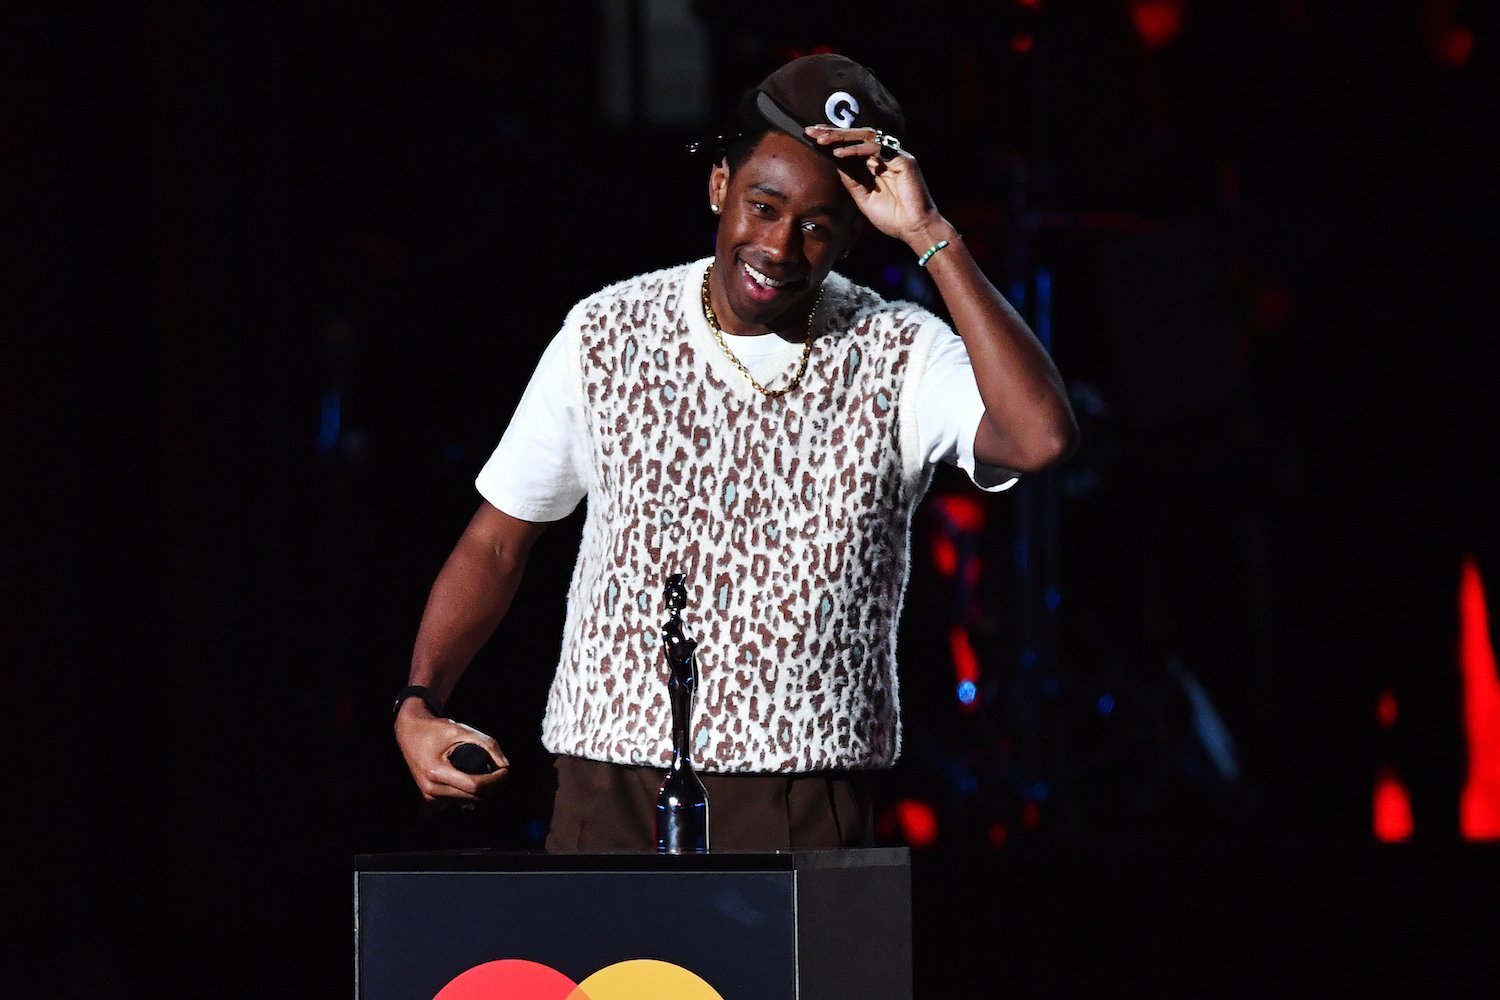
{"x": 715, "y": 209}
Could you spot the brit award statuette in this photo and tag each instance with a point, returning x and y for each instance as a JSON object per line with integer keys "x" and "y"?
{"x": 682, "y": 802}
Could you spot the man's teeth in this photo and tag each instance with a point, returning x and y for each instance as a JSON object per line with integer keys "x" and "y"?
{"x": 763, "y": 279}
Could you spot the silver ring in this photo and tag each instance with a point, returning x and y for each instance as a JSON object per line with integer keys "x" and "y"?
{"x": 890, "y": 146}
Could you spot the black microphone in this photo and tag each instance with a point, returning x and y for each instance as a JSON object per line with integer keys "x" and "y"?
{"x": 471, "y": 758}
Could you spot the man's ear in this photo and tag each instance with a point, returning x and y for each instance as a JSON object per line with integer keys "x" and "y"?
{"x": 718, "y": 184}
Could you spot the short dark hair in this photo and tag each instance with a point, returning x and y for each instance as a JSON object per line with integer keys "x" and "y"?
{"x": 739, "y": 147}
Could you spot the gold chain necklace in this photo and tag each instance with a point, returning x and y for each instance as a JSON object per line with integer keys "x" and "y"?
{"x": 713, "y": 324}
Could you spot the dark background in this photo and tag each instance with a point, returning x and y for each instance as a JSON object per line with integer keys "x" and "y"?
{"x": 275, "y": 275}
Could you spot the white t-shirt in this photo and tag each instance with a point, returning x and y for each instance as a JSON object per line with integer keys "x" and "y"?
{"x": 539, "y": 471}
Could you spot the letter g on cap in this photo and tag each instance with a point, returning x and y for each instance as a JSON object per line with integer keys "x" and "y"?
{"x": 841, "y": 107}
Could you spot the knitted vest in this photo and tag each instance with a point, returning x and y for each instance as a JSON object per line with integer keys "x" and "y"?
{"x": 789, "y": 517}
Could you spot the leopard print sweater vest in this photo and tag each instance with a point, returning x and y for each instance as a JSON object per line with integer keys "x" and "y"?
{"x": 790, "y": 518}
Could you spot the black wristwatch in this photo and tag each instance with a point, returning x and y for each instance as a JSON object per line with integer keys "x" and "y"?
{"x": 434, "y": 704}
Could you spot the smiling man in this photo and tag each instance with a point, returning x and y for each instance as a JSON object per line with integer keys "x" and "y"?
{"x": 764, "y": 427}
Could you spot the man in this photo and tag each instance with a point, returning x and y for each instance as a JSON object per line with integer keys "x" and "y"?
{"x": 764, "y": 427}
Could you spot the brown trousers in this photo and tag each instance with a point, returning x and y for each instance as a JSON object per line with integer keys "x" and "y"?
{"x": 605, "y": 807}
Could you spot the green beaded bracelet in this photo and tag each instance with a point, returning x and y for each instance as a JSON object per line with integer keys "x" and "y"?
{"x": 922, "y": 260}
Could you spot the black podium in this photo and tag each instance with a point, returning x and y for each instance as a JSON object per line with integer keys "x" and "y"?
{"x": 799, "y": 925}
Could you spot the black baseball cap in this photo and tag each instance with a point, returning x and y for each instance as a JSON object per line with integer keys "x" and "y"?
{"x": 826, "y": 89}
{"x": 819, "y": 89}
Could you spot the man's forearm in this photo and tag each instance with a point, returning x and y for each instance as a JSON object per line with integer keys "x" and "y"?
{"x": 469, "y": 598}
{"x": 1028, "y": 422}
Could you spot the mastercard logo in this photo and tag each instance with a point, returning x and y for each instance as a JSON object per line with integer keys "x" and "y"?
{"x": 519, "y": 979}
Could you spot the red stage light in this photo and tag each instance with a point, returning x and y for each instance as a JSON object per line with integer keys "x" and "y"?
{"x": 1479, "y": 805}
{"x": 918, "y": 820}
{"x": 1386, "y": 709}
{"x": 1447, "y": 41}
{"x": 962, "y": 513}
{"x": 1392, "y": 808}
{"x": 1457, "y": 45}
{"x": 794, "y": 53}
{"x": 1158, "y": 22}
{"x": 944, "y": 555}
